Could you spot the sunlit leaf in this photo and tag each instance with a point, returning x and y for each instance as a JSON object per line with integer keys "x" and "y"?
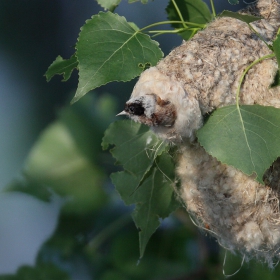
{"x": 245, "y": 18}
{"x": 148, "y": 176}
{"x": 63, "y": 67}
{"x": 192, "y": 11}
{"x": 248, "y": 139}
{"x": 109, "y": 49}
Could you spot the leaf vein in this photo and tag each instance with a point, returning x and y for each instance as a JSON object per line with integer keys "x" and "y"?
{"x": 108, "y": 59}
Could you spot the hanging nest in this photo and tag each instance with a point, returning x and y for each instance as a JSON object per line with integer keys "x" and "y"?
{"x": 197, "y": 77}
{"x": 242, "y": 214}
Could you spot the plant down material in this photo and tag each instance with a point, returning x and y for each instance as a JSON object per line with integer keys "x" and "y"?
{"x": 198, "y": 77}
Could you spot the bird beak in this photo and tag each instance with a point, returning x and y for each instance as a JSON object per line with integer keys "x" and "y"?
{"x": 122, "y": 113}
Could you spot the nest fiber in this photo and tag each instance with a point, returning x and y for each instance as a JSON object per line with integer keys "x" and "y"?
{"x": 196, "y": 78}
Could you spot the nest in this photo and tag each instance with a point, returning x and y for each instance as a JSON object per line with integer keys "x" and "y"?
{"x": 242, "y": 214}
{"x": 197, "y": 77}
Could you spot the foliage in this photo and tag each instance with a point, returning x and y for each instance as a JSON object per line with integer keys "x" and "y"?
{"x": 117, "y": 56}
{"x": 93, "y": 230}
{"x": 148, "y": 176}
{"x": 110, "y": 49}
{"x": 63, "y": 67}
{"x": 245, "y": 132}
{"x": 66, "y": 158}
{"x": 192, "y": 11}
{"x": 109, "y": 4}
{"x": 40, "y": 271}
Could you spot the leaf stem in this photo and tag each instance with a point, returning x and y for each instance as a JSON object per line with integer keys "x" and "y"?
{"x": 167, "y": 31}
{"x": 213, "y": 8}
{"x": 161, "y": 32}
{"x": 170, "y": 22}
{"x": 246, "y": 71}
{"x": 237, "y": 100}
{"x": 179, "y": 14}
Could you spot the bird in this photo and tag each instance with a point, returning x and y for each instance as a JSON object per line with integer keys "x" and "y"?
{"x": 163, "y": 104}
{"x": 174, "y": 98}
{"x": 150, "y": 110}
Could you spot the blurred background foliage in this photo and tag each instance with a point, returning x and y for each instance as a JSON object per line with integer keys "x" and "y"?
{"x": 60, "y": 217}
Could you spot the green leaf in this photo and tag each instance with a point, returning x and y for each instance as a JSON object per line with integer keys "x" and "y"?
{"x": 148, "y": 176}
{"x": 134, "y": 146}
{"x": 245, "y": 18}
{"x": 134, "y": 26}
{"x": 62, "y": 67}
{"x": 109, "y": 49}
{"x": 192, "y": 11}
{"x": 37, "y": 190}
{"x": 110, "y": 5}
{"x": 64, "y": 159}
{"x": 248, "y": 140}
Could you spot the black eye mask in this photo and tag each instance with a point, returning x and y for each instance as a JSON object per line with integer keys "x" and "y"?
{"x": 134, "y": 109}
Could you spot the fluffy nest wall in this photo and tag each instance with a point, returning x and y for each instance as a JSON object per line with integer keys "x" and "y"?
{"x": 242, "y": 214}
{"x": 196, "y": 78}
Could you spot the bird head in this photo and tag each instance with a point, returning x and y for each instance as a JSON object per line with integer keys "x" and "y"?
{"x": 151, "y": 110}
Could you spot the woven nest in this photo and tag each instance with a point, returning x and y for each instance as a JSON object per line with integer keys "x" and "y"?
{"x": 197, "y": 77}
{"x": 242, "y": 214}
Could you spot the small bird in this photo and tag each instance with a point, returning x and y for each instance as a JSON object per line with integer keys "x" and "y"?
{"x": 162, "y": 103}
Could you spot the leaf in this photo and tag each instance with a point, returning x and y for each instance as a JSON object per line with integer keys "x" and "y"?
{"x": 148, "y": 176}
{"x": 109, "y": 49}
{"x": 192, "y": 11}
{"x": 34, "y": 189}
{"x": 134, "y": 26}
{"x": 110, "y": 5}
{"x": 245, "y": 18}
{"x": 134, "y": 142}
{"x": 248, "y": 140}
{"x": 64, "y": 159}
{"x": 62, "y": 67}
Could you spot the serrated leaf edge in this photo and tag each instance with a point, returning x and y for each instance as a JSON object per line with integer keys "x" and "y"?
{"x": 75, "y": 98}
{"x": 211, "y": 153}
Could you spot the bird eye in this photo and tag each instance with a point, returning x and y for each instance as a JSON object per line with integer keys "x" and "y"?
{"x": 134, "y": 109}
{"x": 131, "y": 109}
